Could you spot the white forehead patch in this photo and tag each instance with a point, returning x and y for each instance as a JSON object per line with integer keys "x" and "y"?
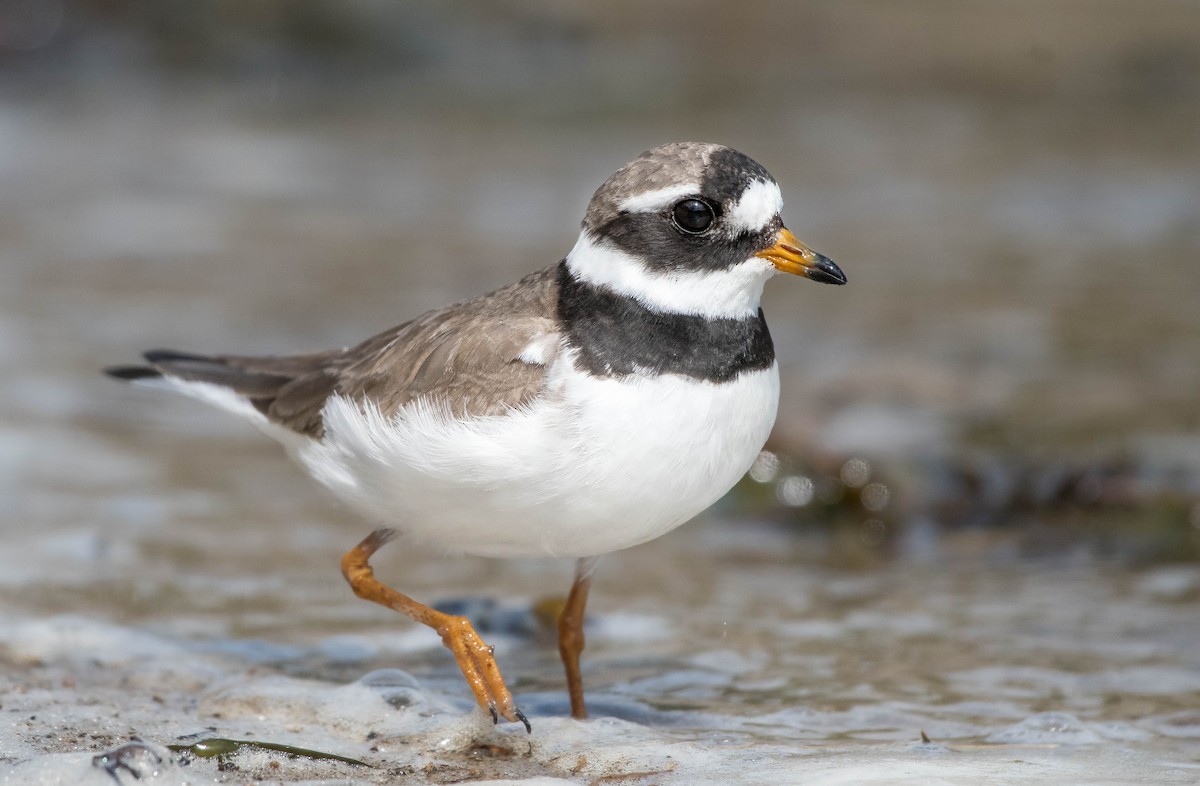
{"x": 653, "y": 201}
{"x": 758, "y": 206}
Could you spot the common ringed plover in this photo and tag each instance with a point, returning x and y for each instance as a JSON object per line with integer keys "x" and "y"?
{"x": 591, "y": 406}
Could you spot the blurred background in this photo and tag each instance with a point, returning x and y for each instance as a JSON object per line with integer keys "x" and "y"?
{"x": 1013, "y": 190}
{"x": 1012, "y": 376}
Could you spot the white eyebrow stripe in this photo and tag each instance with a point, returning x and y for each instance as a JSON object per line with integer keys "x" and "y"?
{"x": 757, "y": 207}
{"x": 651, "y": 201}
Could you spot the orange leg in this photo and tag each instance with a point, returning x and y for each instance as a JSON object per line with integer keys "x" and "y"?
{"x": 570, "y": 633}
{"x": 474, "y": 657}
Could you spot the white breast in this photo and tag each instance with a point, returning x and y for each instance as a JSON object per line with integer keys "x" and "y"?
{"x": 592, "y": 466}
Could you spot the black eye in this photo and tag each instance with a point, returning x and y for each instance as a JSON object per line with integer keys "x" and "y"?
{"x": 693, "y": 216}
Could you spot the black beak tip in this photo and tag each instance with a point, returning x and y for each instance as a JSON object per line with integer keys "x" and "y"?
{"x": 826, "y": 271}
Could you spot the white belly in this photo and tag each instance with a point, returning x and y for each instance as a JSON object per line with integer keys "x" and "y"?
{"x": 592, "y": 466}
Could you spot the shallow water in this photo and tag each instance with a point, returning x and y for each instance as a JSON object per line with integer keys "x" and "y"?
{"x": 746, "y": 667}
{"x": 980, "y": 518}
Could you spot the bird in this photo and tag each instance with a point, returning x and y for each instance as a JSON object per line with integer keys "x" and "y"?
{"x": 591, "y": 406}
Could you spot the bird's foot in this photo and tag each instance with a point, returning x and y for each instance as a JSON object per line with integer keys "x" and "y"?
{"x": 478, "y": 663}
{"x": 474, "y": 657}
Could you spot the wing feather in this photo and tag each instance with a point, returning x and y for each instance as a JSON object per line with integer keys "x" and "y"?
{"x": 469, "y": 357}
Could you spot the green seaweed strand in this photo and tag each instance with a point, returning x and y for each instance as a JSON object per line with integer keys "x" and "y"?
{"x": 215, "y": 747}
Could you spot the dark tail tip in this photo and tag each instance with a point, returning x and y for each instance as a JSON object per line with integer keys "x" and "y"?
{"x": 156, "y": 356}
{"x": 131, "y": 373}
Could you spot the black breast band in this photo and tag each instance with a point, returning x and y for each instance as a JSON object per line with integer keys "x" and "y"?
{"x": 616, "y": 335}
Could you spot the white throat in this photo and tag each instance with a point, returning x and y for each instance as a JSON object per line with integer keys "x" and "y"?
{"x": 732, "y": 293}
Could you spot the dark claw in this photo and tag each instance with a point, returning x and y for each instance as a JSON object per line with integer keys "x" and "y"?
{"x": 495, "y": 715}
{"x": 521, "y": 717}
{"x": 377, "y": 539}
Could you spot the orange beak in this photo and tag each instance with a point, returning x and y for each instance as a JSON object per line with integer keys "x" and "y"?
{"x": 791, "y": 256}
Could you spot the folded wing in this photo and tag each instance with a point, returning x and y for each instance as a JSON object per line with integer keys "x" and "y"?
{"x": 473, "y": 358}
